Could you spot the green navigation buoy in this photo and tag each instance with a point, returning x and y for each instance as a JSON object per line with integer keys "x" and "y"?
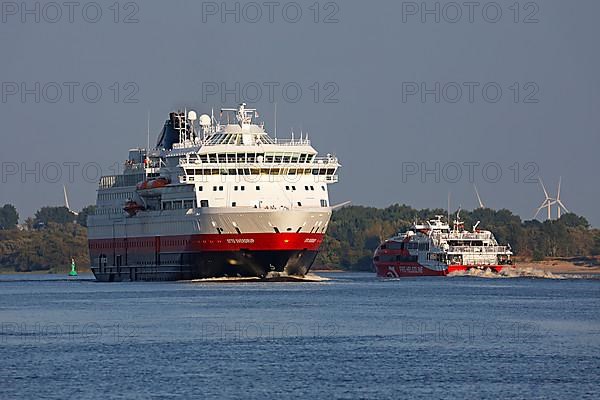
{"x": 73, "y": 268}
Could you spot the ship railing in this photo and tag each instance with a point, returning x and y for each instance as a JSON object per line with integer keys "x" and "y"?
{"x": 292, "y": 142}
{"x": 111, "y": 181}
{"x": 215, "y": 141}
{"x": 478, "y": 249}
{"x": 468, "y": 235}
{"x": 318, "y": 163}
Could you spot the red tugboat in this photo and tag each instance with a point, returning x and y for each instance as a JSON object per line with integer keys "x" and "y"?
{"x": 433, "y": 249}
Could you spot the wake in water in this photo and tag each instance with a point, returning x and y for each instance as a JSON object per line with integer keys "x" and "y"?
{"x": 526, "y": 272}
{"x": 271, "y": 277}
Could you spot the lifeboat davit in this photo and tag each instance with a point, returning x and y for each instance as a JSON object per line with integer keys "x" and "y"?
{"x": 132, "y": 208}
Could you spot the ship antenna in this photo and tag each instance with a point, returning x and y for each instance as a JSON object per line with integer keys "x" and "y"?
{"x": 448, "y": 209}
{"x": 275, "y": 121}
{"x": 147, "y": 136}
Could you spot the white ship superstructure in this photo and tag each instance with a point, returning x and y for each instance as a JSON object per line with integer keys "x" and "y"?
{"x": 212, "y": 200}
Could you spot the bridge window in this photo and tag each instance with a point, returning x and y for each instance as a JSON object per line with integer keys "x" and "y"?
{"x": 203, "y": 203}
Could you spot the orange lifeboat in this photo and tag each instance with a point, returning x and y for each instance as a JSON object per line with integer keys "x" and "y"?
{"x": 158, "y": 183}
{"x": 153, "y": 183}
{"x": 141, "y": 185}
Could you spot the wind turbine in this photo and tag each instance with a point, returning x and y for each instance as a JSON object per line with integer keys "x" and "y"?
{"x": 547, "y": 203}
{"x": 67, "y": 201}
{"x": 558, "y": 202}
{"x": 481, "y": 205}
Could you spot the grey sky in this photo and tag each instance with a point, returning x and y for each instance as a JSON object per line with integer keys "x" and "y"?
{"x": 175, "y": 52}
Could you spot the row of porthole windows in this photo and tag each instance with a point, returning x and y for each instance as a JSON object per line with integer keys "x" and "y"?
{"x": 305, "y": 188}
{"x": 221, "y": 188}
{"x": 243, "y": 188}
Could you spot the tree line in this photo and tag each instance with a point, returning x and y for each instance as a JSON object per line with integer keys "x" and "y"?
{"x": 55, "y": 234}
{"x": 355, "y": 232}
{"x": 45, "y": 242}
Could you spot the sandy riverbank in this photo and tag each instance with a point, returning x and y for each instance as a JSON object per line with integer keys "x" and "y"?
{"x": 563, "y": 266}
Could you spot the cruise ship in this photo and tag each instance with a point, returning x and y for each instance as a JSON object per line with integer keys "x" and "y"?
{"x": 213, "y": 199}
{"x": 436, "y": 249}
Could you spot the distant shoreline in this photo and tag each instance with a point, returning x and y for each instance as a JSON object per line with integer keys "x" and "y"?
{"x": 43, "y": 272}
{"x": 559, "y": 267}
{"x": 554, "y": 265}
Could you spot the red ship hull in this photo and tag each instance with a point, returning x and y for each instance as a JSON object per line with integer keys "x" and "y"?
{"x": 203, "y": 256}
{"x": 416, "y": 269}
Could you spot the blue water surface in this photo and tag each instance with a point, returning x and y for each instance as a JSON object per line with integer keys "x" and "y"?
{"x": 353, "y": 336}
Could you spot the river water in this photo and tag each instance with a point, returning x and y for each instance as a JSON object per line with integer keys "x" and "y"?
{"x": 351, "y": 336}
